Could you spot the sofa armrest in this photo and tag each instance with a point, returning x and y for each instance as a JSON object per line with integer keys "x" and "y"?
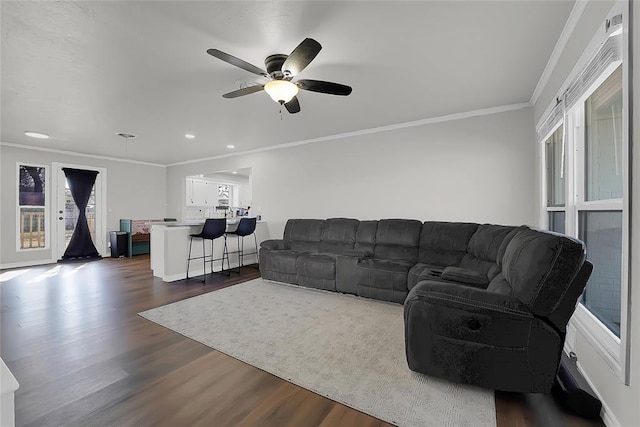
{"x": 359, "y": 254}
{"x": 436, "y": 311}
{"x": 273, "y": 245}
{"x": 466, "y": 298}
{"x": 479, "y": 337}
{"x": 466, "y": 276}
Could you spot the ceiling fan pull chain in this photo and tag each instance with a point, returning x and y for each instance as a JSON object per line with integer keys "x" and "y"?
{"x": 280, "y": 112}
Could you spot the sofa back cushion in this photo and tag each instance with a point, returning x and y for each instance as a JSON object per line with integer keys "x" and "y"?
{"x": 398, "y": 239}
{"x": 303, "y": 235}
{"x": 445, "y": 243}
{"x": 366, "y": 236}
{"x": 338, "y": 235}
{"x": 540, "y": 266}
{"x": 483, "y": 249}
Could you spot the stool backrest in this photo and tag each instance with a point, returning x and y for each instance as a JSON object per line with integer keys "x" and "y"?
{"x": 246, "y": 226}
{"x": 214, "y": 228}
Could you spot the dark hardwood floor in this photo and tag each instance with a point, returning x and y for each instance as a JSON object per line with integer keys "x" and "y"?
{"x": 71, "y": 335}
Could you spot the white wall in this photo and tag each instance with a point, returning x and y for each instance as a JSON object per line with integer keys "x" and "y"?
{"x": 622, "y": 402}
{"x": 475, "y": 169}
{"x": 133, "y": 191}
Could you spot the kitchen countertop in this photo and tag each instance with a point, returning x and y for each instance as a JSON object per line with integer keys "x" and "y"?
{"x": 191, "y": 223}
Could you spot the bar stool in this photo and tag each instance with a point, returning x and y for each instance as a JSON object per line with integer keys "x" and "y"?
{"x": 246, "y": 226}
{"x": 213, "y": 228}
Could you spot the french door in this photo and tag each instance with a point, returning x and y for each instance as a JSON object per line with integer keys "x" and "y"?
{"x": 65, "y": 212}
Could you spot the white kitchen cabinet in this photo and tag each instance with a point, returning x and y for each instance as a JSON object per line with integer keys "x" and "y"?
{"x": 197, "y": 192}
{"x": 200, "y": 192}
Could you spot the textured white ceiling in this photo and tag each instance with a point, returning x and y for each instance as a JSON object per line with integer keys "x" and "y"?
{"x": 82, "y": 71}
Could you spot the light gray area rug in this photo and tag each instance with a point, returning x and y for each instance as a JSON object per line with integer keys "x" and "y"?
{"x": 346, "y": 348}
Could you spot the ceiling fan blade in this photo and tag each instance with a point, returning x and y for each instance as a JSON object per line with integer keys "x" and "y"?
{"x": 324, "y": 87}
{"x": 244, "y": 91}
{"x": 301, "y": 56}
{"x": 293, "y": 106}
{"x": 237, "y": 62}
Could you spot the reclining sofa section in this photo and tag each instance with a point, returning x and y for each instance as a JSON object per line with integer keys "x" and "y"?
{"x": 382, "y": 259}
{"x": 366, "y": 258}
{"x": 483, "y": 304}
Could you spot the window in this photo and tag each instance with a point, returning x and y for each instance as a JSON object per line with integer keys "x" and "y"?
{"x": 601, "y": 231}
{"x": 556, "y": 221}
{"x": 555, "y": 168}
{"x": 599, "y": 203}
{"x": 585, "y": 155}
{"x": 603, "y": 140}
{"x": 555, "y": 165}
{"x": 32, "y": 215}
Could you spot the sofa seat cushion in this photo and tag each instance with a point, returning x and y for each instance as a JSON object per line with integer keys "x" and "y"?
{"x": 391, "y": 266}
{"x": 280, "y": 261}
{"x": 383, "y": 279}
{"x": 420, "y": 272}
{"x": 321, "y": 266}
{"x": 466, "y": 276}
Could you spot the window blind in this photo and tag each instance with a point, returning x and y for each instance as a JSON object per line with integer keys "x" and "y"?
{"x": 609, "y": 52}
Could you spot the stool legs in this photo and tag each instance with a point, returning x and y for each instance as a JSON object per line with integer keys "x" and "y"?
{"x": 205, "y": 256}
{"x": 189, "y": 256}
{"x": 204, "y": 262}
{"x": 226, "y": 250}
{"x": 255, "y": 240}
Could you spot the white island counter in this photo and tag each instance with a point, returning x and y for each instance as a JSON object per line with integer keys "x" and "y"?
{"x": 170, "y": 247}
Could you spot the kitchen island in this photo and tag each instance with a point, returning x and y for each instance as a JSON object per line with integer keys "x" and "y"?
{"x": 170, "y": 248}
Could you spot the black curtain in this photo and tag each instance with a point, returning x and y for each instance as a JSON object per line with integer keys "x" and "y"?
{"x": 81, "y": 247}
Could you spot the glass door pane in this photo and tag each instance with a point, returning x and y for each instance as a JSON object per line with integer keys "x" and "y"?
{"x": 71, "y": 212}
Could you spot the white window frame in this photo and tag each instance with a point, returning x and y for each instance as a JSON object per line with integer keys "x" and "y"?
{"x": 47, "y": 208}
{"x": 613, "y": 350}
{"x": 544, "y": 215}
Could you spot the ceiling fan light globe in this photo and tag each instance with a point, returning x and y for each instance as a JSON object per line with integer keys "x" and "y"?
{"x": 281, "y": 91}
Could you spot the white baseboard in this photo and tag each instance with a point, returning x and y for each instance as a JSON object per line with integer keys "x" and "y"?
{"x": 194, "y": 272}
{"x": 606, "y": 413}
{"x": 27, "y": 264}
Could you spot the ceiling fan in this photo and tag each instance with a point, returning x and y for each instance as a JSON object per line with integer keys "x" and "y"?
{"x": 282, "y": 69}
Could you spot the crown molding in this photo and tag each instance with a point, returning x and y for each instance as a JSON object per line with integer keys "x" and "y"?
{"x": 74, "y": 153}
{"x": 567, "y": 31}
{"x": 387, "y": 128}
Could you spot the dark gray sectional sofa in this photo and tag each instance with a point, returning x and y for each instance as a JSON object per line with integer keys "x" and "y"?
{"x": 484, "y": 304}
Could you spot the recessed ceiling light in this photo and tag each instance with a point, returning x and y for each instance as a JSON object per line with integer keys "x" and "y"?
{"x": 231, "y": 146}
{"x": 234, "y": 172}
{"x": 189, "y": 135}
{"x": 33, "y": 134}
